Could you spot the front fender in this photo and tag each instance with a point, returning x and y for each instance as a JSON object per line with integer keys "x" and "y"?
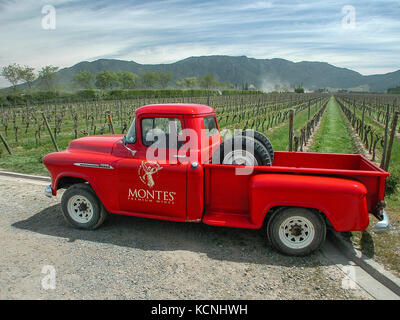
{"x": 103, "y": 180}
{"x": 343, "y": 201}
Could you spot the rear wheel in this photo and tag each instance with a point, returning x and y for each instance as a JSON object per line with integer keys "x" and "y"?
{"x": 81, "y": 208}
{"x": 296, "y": 231}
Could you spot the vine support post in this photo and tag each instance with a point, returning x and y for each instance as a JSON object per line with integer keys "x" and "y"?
{"x": 392, "y": 137}
{"x": 110, "y": 122}
{"x": 5, "y": 144}
{"x": 51, "y": 134}
{"x": 383, "y": 162}
{"x": 291, "y": 114}
{"x": 362, "y": 122}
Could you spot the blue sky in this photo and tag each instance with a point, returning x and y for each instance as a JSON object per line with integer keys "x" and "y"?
{"x": 164, "y": 31}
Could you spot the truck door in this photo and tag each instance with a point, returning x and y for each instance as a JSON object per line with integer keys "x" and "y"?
{"x": 156, "y": 187}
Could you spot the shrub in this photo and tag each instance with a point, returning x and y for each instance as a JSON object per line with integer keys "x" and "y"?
{"x": 88, "y": 94}
{"x": 240, "y": 92}
{"x": 392, "y": 184}
{"x": 41, "y": 97}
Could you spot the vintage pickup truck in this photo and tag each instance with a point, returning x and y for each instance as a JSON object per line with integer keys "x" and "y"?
{"x": 193, "y": 175}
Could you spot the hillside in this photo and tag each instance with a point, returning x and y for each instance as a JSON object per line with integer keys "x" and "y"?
{"x": 265, "y": 74}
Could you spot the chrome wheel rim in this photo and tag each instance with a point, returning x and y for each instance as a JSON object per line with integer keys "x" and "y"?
{"x": 80, "y": 209}
{"x": 240, "y": 157}
{"x": 296, "y": 232}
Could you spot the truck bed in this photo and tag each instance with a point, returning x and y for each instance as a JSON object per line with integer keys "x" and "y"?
{"x": 222, "y": 183}
{"x": 333, "y": 162}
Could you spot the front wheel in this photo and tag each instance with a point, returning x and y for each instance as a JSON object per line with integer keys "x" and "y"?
{"x": 81, "y": 208}
{"x": 296, "y": 231}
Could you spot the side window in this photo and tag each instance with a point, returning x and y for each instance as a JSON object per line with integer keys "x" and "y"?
{"x": 210, "y": 124}
{"x": 131, "y": 135}
{"x": 154, "y": 128}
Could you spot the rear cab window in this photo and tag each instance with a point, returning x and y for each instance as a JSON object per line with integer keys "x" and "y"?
{"x": 210, "y": 125}
{"x": 154, "y": 127}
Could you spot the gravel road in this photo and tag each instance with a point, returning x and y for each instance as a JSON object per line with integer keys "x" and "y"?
{"x": 136, "y": 258}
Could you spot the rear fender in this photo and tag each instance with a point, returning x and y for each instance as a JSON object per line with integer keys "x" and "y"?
{"x": 342, "y": 201}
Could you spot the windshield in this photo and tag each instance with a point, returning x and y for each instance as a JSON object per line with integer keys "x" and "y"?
{"x": 131, "y": 135}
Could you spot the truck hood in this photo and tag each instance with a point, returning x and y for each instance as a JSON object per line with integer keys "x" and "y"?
{"x": 98, "y": 144}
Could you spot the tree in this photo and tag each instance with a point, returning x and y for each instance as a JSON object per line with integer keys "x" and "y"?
{"x": 208, "y": 81}
{"x": 299, "y": 90}
{"x": 106, "y": 80}
{"x": 83, "y": 80}
{"x": 12, "y": 73}
{"x": 191, "y": 82}
{"x": 164, "y": 79}
{"x": 226, "y": 85}
{"x": 127, "y": 80}
{"x": 149, "y": 79}
{"x": 180, "y": 84}
{"x": 27, "y": 74}
{"x": 47, "y": 77}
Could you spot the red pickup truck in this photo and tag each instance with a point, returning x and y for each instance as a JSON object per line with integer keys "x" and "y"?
{"x": 174, "y": 165}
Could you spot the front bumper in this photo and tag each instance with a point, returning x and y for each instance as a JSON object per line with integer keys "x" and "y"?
{"x": 48, "y": 192}
{"x": 384, "y": 224}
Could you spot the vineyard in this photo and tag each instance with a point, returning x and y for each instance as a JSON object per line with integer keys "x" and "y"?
{"x": 287, "y": 119}
{"x": 314, "y": 122}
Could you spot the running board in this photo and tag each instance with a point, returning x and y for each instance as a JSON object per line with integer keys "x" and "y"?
{"x": 229, "y": 220}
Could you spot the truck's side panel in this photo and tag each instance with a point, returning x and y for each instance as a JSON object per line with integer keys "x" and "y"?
{"x": 195, "y": 193}
{"x": 226, "y": 191}
{"x": 343, "y": 201}
{"x": 152, "y": 188}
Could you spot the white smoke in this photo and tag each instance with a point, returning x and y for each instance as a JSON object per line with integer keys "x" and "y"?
{"x": 269, "y": 85}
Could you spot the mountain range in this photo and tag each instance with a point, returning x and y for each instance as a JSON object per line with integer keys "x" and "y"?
{"x": 265, "y": 74}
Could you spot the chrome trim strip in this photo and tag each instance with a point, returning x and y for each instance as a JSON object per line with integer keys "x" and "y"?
{"x": 383, "y": 225}
{"x": 93, "y": 165}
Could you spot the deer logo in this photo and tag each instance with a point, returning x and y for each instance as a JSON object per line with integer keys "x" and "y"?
{"x": 146, "y": 171}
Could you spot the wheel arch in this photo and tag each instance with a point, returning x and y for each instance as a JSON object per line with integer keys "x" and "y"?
{"x": 67, "y": 181}
{"x": 275, "y": 209}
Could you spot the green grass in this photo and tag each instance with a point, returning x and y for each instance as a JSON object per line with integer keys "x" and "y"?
{"x": 27, "y": 157}
{"x": 333, "y": 135}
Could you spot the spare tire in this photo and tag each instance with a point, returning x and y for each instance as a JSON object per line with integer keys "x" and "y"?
{"x": 236, "y": 151}
{"x": 262, "y": 138}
